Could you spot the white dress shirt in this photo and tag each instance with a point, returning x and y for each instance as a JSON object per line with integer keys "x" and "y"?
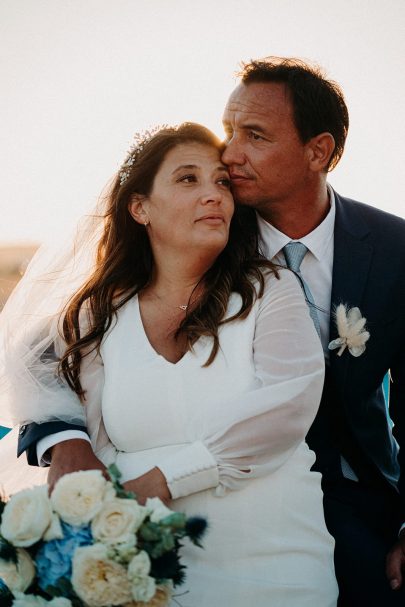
{"x": 316, "y": 267}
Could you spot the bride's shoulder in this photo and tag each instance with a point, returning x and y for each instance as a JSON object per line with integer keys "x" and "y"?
{"x": 277, "y": 277}
{"x": 280, "y": 283}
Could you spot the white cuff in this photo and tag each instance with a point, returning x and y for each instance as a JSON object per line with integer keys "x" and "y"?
{"x": 53, "y": 439}
{"x": 189, "y": 470}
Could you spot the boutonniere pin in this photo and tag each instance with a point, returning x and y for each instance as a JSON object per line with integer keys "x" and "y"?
{"x": 352, "y": 333}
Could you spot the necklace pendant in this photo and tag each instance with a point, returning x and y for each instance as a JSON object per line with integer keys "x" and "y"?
{"x": 183, "y": 308}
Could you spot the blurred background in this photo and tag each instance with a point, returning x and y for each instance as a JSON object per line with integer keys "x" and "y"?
{"x": 80, "y": 77}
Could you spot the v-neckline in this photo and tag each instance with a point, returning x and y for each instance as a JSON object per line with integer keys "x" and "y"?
{"x": 148, "y": 343}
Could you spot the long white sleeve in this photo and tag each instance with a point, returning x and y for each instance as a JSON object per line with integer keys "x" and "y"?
{"x": 262, "y": 428}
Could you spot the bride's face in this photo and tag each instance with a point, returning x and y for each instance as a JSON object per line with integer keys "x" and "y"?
{"x": 190, "y": 204}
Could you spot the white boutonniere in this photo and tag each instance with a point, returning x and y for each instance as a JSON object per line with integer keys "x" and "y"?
{"x": 352, "y": 333}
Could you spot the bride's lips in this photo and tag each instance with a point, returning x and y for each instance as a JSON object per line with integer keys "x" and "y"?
{"x": 213, "y": 218}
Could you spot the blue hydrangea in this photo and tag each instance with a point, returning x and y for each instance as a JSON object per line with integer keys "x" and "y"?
{"x": 54, "y": 559}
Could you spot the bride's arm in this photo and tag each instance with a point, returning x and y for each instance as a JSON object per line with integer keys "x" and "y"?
{"x": 150, "y": 484}
{"x": 258, "y": 431}
{"x": 50, "y": 398}
{"x": 78, "y": 453}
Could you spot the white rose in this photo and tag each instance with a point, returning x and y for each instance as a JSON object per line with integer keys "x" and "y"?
{"x": 26, "y": 516}
{"x": 139, "y": 566}
{"x": 98, "y": 580}
{"x": 123, "y": 553}
{"x": 118, "y": 520}
{"x": 18, "y": 577}
{"x": 54, "y": 531}
{"x": 158, "y": 509}
{"x": 161, "y": 598}
{"x": 143, "y": 588}
{"x": 78, "y": 496}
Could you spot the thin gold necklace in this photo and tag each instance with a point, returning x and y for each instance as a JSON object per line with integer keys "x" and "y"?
{"x": 176, "y": 307}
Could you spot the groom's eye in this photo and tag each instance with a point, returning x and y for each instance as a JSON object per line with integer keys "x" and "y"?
{"x": 255, "y": 136}
{"x": 228, "y": 135}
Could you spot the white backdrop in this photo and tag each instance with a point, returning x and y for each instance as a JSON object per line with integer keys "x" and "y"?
{"x": 79, "y": 77}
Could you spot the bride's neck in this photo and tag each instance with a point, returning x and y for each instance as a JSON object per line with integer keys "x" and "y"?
{"x": 177, "y": 278}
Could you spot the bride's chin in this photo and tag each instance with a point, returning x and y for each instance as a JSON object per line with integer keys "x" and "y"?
{"x": 213, "y": 245}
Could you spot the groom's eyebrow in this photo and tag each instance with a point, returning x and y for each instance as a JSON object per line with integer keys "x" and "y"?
{"x": 253, "y": 126}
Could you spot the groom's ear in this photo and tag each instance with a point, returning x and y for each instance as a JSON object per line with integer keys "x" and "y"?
{"x": 320, "y": 149}
{"x": 136, "y": 208}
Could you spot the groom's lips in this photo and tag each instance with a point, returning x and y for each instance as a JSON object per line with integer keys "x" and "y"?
{"x": 238, "y": 178}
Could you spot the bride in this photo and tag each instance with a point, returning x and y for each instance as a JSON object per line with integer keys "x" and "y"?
{"x": 196, "y": 367}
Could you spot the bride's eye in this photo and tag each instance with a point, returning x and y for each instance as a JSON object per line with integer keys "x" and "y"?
{"x": 187, "y": 178}
{"x": 225, "y": 181}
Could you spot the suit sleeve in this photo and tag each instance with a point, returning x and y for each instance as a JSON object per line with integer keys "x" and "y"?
{"x": 30, "y": 434}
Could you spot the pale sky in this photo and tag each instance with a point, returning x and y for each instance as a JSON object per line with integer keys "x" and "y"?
{"x": 80, "y": 77}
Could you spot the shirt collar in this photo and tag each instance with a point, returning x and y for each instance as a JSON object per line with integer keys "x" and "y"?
{"x": 317, "y": 241}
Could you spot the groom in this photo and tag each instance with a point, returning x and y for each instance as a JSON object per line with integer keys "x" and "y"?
{"x": 286, "y": 127}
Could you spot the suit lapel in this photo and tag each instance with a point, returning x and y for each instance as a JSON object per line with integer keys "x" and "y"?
{"x": 351, "y": 262}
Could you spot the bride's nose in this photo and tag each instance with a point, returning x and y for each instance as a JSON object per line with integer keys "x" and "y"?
{"x": 211, "y": 195}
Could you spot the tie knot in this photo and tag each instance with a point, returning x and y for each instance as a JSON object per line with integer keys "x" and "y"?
{"x": 294, "y": 253}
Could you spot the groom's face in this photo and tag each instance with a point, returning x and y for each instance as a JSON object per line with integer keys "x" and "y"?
{"x": 267, "y": 160}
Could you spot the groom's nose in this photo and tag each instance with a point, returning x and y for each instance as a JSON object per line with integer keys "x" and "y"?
{"x": 233, "y": 153}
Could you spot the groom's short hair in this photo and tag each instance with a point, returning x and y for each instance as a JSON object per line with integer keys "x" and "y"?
{"x": 318, "y": 103}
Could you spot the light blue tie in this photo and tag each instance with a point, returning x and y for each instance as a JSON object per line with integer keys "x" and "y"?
{"x": 294, "y": 253}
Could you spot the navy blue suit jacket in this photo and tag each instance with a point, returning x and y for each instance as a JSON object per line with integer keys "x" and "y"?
{"x": 368, "y": 272}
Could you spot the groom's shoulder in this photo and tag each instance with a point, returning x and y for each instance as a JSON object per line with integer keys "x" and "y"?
{"x": 380, "y": 223}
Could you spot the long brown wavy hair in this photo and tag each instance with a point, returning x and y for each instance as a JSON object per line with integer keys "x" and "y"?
{"x": 124, "y": 262}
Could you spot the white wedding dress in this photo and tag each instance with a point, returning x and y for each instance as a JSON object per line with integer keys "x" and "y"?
{"x": 229, "y": 439}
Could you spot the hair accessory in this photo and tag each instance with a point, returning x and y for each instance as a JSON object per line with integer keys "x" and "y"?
{"x": 140, "y": 141}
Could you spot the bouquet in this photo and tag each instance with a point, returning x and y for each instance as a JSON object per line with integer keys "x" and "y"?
{"x": 90, "y": 544}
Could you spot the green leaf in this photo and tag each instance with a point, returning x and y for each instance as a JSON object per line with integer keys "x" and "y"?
{"x": 176, "y": 520}
{"x": 7, "y": 551}
{"x": 168, "y": 542}
{"x": 53, "y": 591}
{"x": 6, "y": 596}
{"x": 115, "y": 475}
{"x": 126, "y": 495}
{"x": 63, "y": 587}
{"x": 150, "y": 532}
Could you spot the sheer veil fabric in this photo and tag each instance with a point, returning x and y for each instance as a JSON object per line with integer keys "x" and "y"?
{"x": 30, "y": 346}
{"x": 30, "y": 342}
